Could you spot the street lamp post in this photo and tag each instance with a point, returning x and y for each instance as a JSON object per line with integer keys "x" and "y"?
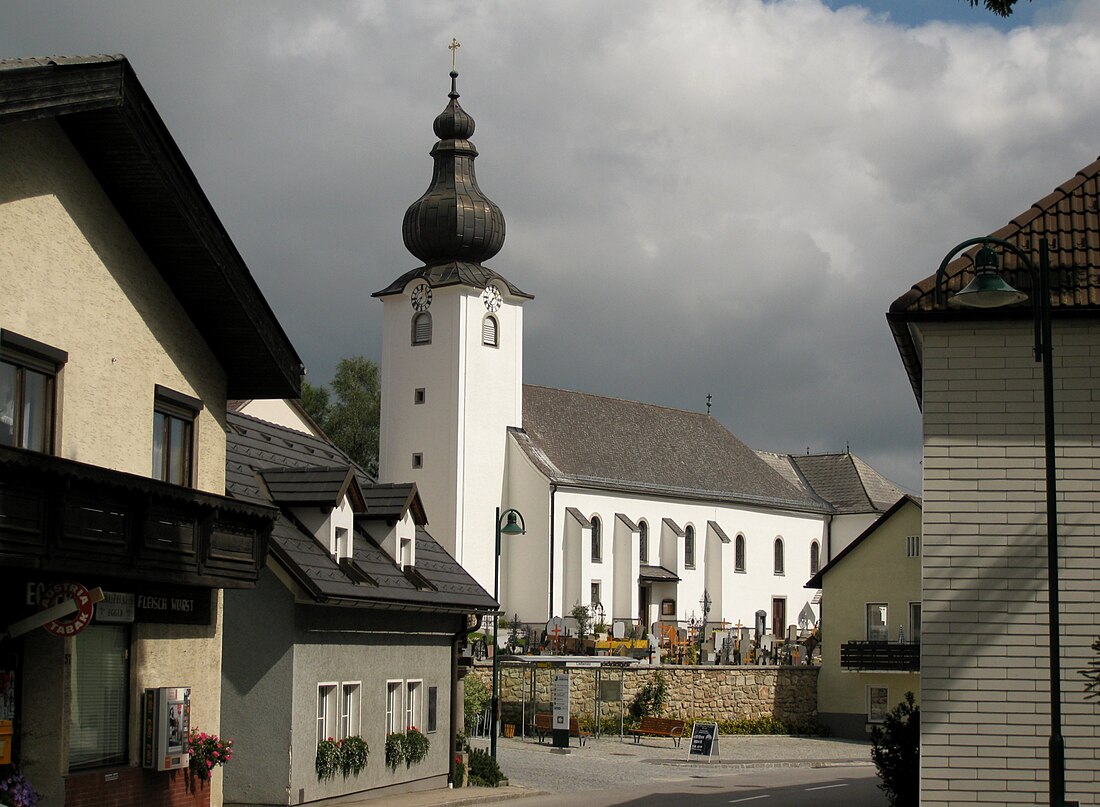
{"x": 511, "y": 528}
{"x": 989, "y": 290}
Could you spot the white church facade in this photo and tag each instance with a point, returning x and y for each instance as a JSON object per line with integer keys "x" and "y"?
{"x": 642, "y": 510}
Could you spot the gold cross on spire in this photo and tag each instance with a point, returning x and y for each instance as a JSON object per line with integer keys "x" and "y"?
{"x": 454, "y": 46}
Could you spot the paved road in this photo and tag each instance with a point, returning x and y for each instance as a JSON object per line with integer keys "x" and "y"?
{"x": 756, "y": 771}
{"x": 759, "y": 771}
{"x": 773, "y": 787}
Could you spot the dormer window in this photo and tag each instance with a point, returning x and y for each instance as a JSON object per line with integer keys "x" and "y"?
{"x": 343, "y": 543}
{"x": 406, "y": 558}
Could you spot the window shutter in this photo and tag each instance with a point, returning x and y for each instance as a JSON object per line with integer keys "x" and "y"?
{"x": 422, "y": 329}
{"x": 489, "y": 331}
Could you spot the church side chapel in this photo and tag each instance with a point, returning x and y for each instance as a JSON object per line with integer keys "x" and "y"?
{"x": 656, "y": 518}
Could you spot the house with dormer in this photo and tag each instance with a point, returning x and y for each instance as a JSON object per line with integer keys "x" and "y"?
{"x": 353, "y": 627}
{"x": 127, "y": 318}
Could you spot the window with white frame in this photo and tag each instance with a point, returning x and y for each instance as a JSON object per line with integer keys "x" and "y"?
{"x": 779, "y": 556}
{"x": 912, "y": 546}
{"x": 878, "y": 703}
{"x": 413, "y": 705}
{"x": 394, "y": 710}
{"x": 739, "y": 554}
{"x": 596, "y": 593}
{"x": 878, "y": 623}
{"x": 689, "y": 547}
{"x": 597, "y": 540}
{"x": 326, "y": 711}
{"x": 349, "y": 709}
{"x": 643, "y": 542}
{"x": 815, "y": 557}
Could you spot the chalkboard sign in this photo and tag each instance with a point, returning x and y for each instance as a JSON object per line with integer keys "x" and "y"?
{"x": 704, "y": 740}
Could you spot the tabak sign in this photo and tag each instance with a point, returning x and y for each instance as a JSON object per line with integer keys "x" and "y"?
{"x": 58, "y": 596}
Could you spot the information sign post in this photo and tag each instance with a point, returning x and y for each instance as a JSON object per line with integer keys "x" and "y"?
{"x": 560, "y": 726}
{"x": 704, "y": 741}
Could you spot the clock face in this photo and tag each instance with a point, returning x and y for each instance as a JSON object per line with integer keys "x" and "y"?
{"x": 421, "y": 296}
{"x": 492, "y": 298}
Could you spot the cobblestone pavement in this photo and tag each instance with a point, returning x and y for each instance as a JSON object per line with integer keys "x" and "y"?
{"x": 607, "y": 763}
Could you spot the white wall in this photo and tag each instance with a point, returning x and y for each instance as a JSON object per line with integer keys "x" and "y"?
{"x": 741, "y": 594}
{"x": 984, "y": 666}
{"x": 472, "y": 395}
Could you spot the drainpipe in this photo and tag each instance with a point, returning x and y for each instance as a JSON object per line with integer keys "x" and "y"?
{"x": 458, "y": 709}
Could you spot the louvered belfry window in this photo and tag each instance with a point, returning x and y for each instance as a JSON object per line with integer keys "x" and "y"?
{"x": 489, "y": 331}
{"x": 422, "y": 329}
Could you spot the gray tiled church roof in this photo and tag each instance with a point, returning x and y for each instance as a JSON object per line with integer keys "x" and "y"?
{"x": 843, "y": 481}
{"x": 583, "y": 439}
{"x": 256, "y": 448}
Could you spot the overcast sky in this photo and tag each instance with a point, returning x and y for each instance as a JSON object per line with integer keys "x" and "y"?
{"x": 704, "y": 197}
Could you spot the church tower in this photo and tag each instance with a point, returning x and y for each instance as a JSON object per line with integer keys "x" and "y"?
{"x": 452, "y": 353}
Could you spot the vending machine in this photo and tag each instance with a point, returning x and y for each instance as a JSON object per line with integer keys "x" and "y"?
{"x": 166, "y": 725}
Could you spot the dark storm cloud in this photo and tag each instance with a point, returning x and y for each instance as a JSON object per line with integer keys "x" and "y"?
{"x": 704, "y": 198}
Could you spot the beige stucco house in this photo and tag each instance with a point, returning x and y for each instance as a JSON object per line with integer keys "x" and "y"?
{"x": 985, "y": 665}
{"x": 871, "y": 623}
{"x": 127, "y": 319}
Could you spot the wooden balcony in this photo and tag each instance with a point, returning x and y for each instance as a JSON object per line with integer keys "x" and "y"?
{"x": 63, "y": 517}
{"x": 881, "y": 656}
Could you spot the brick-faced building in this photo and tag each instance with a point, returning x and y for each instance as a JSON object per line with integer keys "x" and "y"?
{"x": 984, "y": 654}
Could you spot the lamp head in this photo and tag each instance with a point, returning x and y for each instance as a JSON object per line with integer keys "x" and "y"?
{"x": 512, "y": 528}
{"x": 988, "y": 289}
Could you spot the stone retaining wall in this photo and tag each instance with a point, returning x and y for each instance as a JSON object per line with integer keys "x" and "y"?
{"x": 788, "y": 694}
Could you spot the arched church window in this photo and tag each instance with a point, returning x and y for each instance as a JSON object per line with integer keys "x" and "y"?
{"x": 490, "y": 330}
{"x": 739, "y": 554}
{"x": 643, "y": 542}
{"x": 779, "y": 556}
{"x": 422, "y": 328}
{"x": 815, "y": 557}
{"x": 689, "y": 547}
{"x": 597, "y": 540}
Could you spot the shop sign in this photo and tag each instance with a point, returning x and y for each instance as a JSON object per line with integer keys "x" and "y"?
{"x": 56, "y": 594}
{"x": 117, "y": 607}
{"x": 189, "y": 606}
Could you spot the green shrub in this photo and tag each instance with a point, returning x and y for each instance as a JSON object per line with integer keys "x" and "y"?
{"x": 395, "y": 750}
{"x": 650, "y": 700}
{"x": 484, "y": 770}
{"x": 475, "y": 700}
{"x": 895, "y": 750}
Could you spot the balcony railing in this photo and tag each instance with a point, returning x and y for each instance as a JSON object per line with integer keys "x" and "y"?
{"x": 879, "y": 656}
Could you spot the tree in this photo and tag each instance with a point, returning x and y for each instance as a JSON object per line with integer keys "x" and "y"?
{"x": 1002, "y": 8}
{"x": 349, "y": 412}
{"x": 895, "y": 750}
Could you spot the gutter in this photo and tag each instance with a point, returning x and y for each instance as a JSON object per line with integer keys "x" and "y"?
{"x": 550, "y": 591}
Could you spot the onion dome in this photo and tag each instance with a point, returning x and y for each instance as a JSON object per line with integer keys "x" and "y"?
{"x": 453, "y": 220}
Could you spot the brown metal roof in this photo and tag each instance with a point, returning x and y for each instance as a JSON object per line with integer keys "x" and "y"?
{"x": 100, "y": 104}
{"x": 1069, "y": 218}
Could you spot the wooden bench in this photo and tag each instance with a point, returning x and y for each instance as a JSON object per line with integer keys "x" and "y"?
{"x": 543, "y": 725}
{"x": 659, "y": 727}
